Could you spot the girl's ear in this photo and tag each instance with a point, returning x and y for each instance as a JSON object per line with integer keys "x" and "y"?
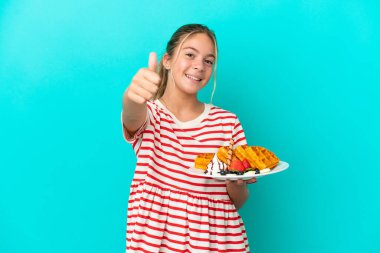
{"x": 166, "y": 61}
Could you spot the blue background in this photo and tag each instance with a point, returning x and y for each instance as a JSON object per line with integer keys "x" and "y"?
{"x": 303, "y": 77}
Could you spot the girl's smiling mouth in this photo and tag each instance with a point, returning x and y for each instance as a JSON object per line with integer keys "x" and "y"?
{"x": 193, "y": 78}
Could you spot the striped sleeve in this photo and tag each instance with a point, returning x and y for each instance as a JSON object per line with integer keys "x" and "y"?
{"x": 238, "y": 134}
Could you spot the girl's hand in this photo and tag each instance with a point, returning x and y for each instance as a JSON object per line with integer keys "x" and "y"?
{"x": 235, "y": 185}
{"x": 145, "y": 83}
{"x": 238, "y": 191}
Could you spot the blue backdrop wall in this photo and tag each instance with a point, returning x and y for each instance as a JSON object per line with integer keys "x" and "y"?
{"x": 303, "y": 77}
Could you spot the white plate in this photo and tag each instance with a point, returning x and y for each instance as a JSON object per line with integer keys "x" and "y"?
{"x": 281, "y": 166}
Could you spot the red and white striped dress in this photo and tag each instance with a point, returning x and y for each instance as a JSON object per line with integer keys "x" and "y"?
{"x": 170, "y": 210}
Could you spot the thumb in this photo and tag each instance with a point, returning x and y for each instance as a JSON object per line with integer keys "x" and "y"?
{"x": 152, "y": 65}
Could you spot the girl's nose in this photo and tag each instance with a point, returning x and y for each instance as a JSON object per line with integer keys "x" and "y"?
{"x": 198, "y": 64}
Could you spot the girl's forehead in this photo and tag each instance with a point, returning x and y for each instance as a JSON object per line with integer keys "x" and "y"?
{"x": 199, "y": 42}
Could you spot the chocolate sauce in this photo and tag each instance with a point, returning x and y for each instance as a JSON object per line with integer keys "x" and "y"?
{"x": 212, "y": 166}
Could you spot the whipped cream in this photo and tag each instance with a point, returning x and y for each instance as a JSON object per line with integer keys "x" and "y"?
{"x": 215, "y": 166}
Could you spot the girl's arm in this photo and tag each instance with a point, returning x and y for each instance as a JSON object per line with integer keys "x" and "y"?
{"x": 238, "y": 191}
{"x": 142, "y": 88}
{"x": 134, "y": 114}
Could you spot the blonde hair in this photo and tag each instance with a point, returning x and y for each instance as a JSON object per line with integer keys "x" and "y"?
{"x": 177, "y": 40}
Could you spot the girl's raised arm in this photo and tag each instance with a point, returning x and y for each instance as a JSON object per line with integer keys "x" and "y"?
{"x": 143, "y": 87}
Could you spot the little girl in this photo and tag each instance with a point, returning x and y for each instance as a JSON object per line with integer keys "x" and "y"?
{"x": 170, "y": 209}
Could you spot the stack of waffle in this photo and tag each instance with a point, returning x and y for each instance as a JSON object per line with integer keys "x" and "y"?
{"x": 258, "y": 157}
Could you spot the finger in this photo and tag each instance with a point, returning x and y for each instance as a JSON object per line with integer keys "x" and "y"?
{"x": 136, "y": 98}
{"x": 142, "y": 92}
{"x": 238, "y": 182}
{"x": 152, "y": 64}
{"x": 151, "y": 87}
{"x": 151, "y": 76}
{"x": 144, "y": 83}
{"x": 251, "y": 181}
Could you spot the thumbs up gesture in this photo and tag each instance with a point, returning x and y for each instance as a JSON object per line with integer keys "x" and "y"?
{"x": 145, "y": 83}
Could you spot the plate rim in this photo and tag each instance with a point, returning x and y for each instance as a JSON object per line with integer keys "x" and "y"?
{"x": 282, "y": 166}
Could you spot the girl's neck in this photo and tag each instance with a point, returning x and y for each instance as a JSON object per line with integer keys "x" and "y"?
{"x": 184, "y": 108}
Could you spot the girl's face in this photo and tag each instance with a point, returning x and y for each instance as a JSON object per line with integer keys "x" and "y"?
{"x": 192, "y": 68}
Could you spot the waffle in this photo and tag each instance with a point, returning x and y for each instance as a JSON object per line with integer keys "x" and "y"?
{"x": 243, "y": 155}
{"x": 202, "y": 160}
{"x": 223, "y": 154}
{"x": 260, "y": 157}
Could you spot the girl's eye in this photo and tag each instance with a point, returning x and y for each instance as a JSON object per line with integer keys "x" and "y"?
{"x": 209, "y": 62}
{"x": 190, "y": 55}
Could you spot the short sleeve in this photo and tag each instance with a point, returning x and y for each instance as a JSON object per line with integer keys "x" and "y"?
{"x": 238, "y": 134}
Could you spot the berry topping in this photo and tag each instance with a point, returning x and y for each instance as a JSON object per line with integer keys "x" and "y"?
{"x": 246, "y": 164}
{"x": 237, "y": 165}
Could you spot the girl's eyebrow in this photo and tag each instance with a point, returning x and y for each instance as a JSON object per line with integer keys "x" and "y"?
{"x": 212, "y": 55}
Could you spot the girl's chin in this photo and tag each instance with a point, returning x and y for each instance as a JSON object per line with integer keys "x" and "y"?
{"x": 194, "y": 88}
{"x": 191, "y": 87}
{"x": 190, "y": 91}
